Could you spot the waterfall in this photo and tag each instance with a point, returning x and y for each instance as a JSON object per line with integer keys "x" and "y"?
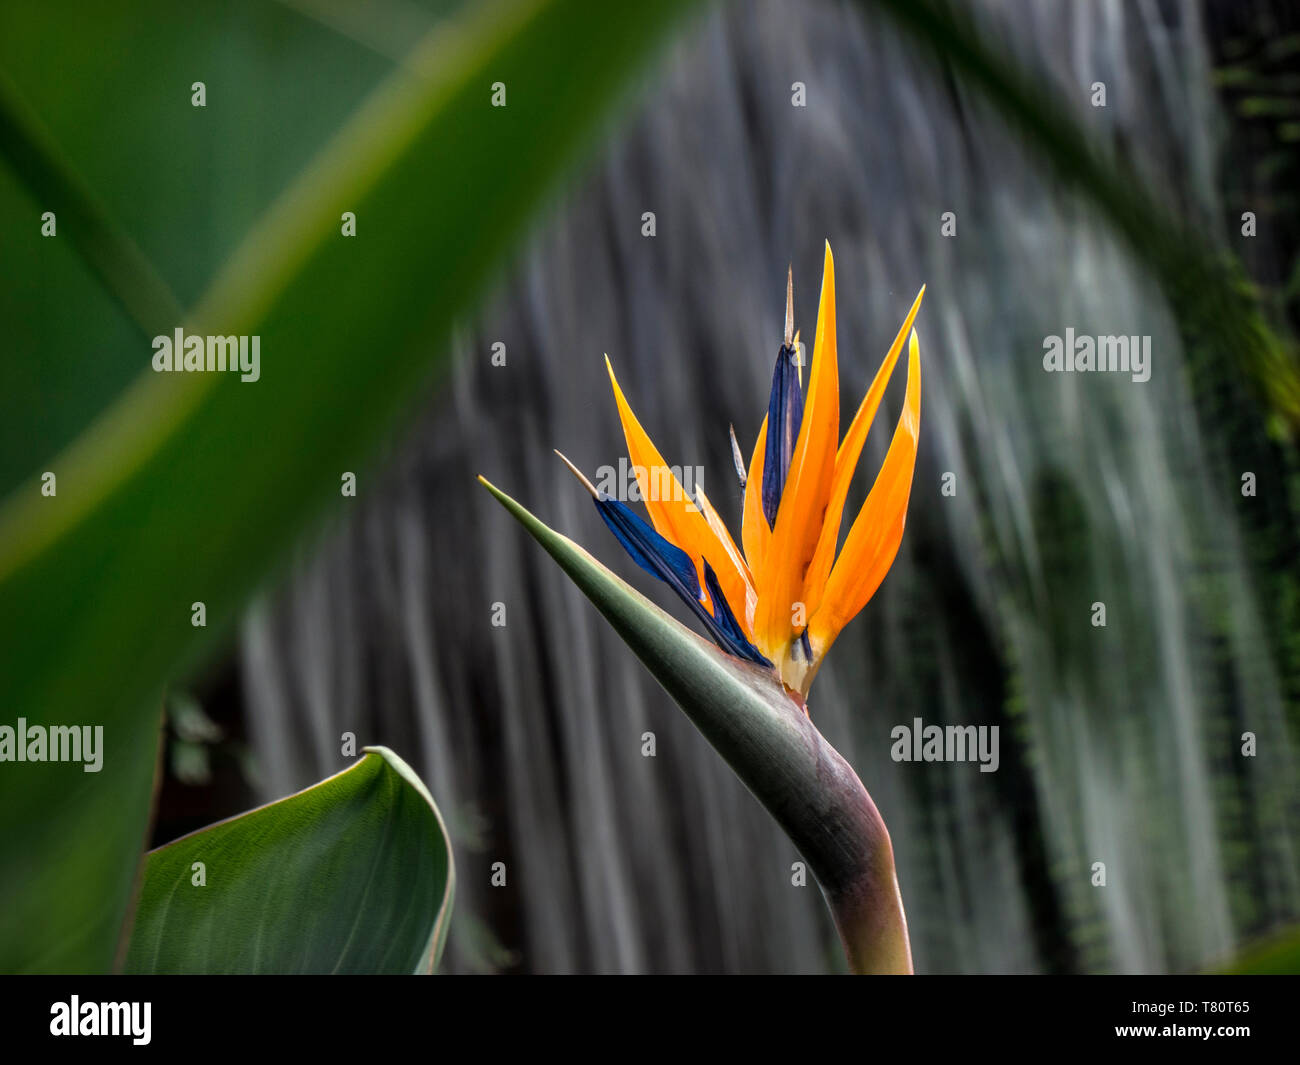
{"x": 1119, "y": 744}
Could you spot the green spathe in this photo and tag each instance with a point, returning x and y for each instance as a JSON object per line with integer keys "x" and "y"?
{"x": 57, "y": 743}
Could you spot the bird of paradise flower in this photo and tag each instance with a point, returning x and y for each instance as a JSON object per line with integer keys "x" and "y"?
{"x": 782, "y": 603}
{"x": 775, "y": 609}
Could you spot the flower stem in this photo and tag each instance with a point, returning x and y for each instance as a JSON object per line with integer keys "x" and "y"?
{"x": 868, "y": 908}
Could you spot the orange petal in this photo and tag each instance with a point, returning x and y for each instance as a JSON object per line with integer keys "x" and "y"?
{"x": 846, "y": 463}
{"x": 807, "y": 490}
{"x": 754, "y": 530}
{"x": 878, "y": 529}
{"x": 678, "y": 518}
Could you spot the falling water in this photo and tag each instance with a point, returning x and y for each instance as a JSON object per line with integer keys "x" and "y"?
{"x": 1119, "y": 744}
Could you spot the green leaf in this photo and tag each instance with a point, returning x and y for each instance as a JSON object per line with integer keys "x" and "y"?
{"x": 190, "y": 486}
{"x": 353, "y": 875}
{"x": 771, "y": 744}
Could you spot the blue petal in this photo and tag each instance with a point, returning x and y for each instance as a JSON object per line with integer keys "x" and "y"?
{"x": 659, "y": 557}
{"x": 784, "y": 416}
{"x": 663, "y": 559}
{"x": 729, "y": 635}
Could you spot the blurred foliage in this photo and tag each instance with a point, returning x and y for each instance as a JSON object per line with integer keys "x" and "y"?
{"x": 193, "y": 733}
{"x": 1258, "y": 79}
{"x": 191, "y": 485}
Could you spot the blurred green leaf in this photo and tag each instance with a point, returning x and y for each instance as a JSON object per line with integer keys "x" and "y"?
{"x": 118, "y": 264}
{"x": 190, "y": 486}
{"x": 771, "y": 744}
{"x": 182, "y": 184}
{"x": 353, "y": 875}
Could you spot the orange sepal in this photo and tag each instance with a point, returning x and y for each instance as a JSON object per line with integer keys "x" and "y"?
{"x": 679, "y": 519}
{"x": 877, "y": 531}
{"x": 807, "y": 489}
{"x": 846, "y": 463}
{"x": 754, "y": 531}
